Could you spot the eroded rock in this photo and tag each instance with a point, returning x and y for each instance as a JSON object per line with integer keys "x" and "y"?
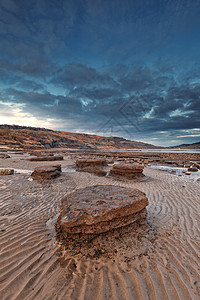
{"x": 46, "y": 172}
{"x": 46, "y": 158}
{"x": 127, "y": 170}
{"x": 98, "y": 209}
{"x": 95, "y": 166}
{"x": 6, "y": 172}
{"x": 90, "y": 163}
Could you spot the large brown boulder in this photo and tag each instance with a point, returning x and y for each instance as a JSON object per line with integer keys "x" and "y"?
{"x": 97, "y": 209}
{"x": 6, "y": 172}
{"x": 46, "y": 158}
{"x": 127, "y": 170}
{"x": 46, "y": 172}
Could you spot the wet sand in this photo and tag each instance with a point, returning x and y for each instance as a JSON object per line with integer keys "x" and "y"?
{"x": 162, "y": 264}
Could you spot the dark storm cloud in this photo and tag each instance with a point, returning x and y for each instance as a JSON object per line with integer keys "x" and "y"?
{"x": 19, "y": 82}
{"x": 81, "y": 75}
{"x": 149, "y": 102}
{"x": 132, "y": 65}
{"x": 36, "y": 67}
{"x": 49, "y": 103}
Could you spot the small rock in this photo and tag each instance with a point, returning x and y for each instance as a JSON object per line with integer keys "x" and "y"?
{"x": 187, "y": 173}
{"x": 110, "y": 161}
{"x": 6, "y": 172}
{"x": 193, "y": 169}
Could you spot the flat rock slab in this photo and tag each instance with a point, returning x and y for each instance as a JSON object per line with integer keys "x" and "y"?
{"x": 6, "y": 172}
{"x": 46, "y": 172}
{"x": 46, "y": 158}
{"x": 98, "y": 209}
{"x": 36, "y": 153}
{"x": 127, "y": 170}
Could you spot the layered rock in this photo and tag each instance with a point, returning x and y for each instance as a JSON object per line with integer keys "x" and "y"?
{"x": 46, "y": 172}
{"x": 6, "y": 172}
{"x": 40, "y": 153}
{"x": 95, "y": 166}
{"x": 101, "y": 208}
{"x": 90, "y": 163}
{"x": 46, "y": 158}
{"x": 127, "y": 170}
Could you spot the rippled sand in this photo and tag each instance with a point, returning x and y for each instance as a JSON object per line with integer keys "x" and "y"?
{"x": 31, "y": 265}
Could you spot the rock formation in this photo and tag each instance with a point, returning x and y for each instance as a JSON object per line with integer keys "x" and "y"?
{"x": 98, "y": 209}
{"x": 127, "y": 170}
{"x": 193, "y": 169}
{"x": 90, "y": 163}
{"x": 6, "y": 172}
{"x": 46, "y": 172}
{"x": 95, "y": 166}
{"x": 46, "y": 158}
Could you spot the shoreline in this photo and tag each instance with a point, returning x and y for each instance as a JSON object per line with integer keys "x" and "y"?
{"x": 33, "y": 267}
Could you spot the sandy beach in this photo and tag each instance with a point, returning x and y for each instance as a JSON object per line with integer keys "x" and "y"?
{"x": 163, "y": 262}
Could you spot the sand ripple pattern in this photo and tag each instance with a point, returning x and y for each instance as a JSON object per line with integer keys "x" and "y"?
{"x": 30, "y": 267}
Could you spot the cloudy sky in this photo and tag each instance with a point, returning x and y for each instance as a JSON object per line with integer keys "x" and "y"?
{"x": 126, "y": 68}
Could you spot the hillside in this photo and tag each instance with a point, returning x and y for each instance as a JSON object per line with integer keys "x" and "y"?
{"x": 189, "y": 146}
{"x": 16, "y": 137}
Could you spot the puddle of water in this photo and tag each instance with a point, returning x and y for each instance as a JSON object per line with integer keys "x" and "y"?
{"x": 25, "y": 172}
{"x": 29, "y": 172}
{"x": 20, "y": 171}
{"x": 177, "y": 171}
{"x": 68, "y": 170}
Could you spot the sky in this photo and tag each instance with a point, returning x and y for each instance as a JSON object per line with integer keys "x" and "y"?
{"x": 126, "y": 68}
